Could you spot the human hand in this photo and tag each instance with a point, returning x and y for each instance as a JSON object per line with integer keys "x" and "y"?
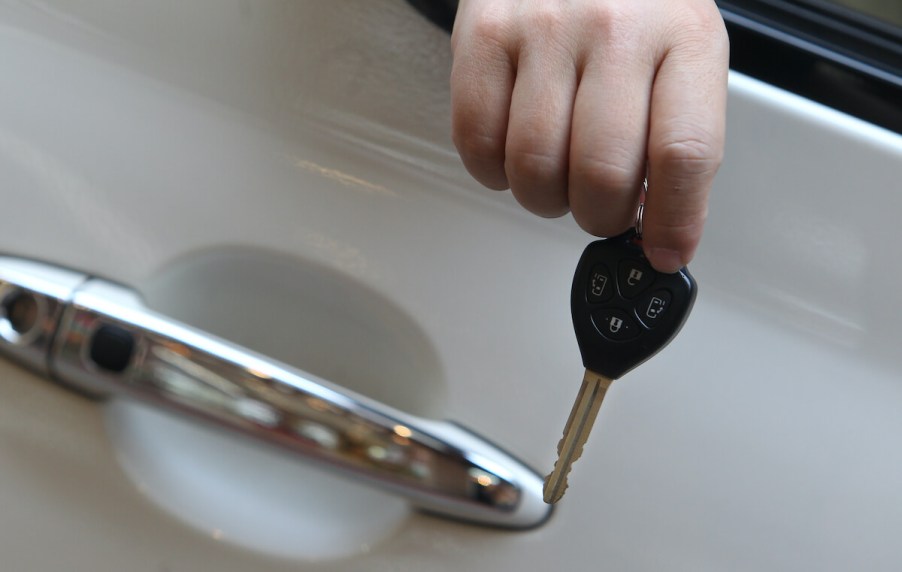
{"x": 570, "y": 104}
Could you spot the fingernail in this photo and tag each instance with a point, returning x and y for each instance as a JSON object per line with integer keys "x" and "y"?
{"x": 665, "y": 260}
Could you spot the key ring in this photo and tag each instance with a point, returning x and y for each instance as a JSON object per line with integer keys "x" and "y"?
{"x": 641, "y": 209}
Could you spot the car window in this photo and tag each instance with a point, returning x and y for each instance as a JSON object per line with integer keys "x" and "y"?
{"x": 890, "y": 11}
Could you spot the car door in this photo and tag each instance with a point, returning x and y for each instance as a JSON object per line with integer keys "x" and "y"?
{"x": 361, "y": 360}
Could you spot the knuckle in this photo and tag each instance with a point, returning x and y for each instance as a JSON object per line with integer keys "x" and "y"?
{"x": 606, "y": 175}
{"x": 604, "y": 16}
{"x": 604, "y": 193}
{"x": 617, "y": 26}
{"x": 546, "y": 205}
{"x": 537, "y": 180}
{"x": 688, "y": 155}
{"x": 486, "y": 28}
{"x": 481, "y": 148}
{"x": 606, "y": 223}
{"x": 701, "y": 25}
{"x": 547, "y": 17}
{"x": 533, "y": 165}
{"x": 491, "y": 27}
{"x": 475, "y": 146}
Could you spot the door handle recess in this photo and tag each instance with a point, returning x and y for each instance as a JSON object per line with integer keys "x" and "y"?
{"x": 98, "y": 338}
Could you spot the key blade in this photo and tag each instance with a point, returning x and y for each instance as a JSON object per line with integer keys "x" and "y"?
{"x": 576, "y": 433}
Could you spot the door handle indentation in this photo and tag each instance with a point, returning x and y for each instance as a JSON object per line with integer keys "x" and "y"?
{"x": 99, "y": 338}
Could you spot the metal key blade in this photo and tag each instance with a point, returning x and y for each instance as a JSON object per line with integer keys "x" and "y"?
{"x": 576, "y": 433}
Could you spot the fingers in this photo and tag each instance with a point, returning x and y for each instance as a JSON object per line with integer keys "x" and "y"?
{"x": 610, "y": 127}
{"x": 538, "y": 135}
{"x": 571, "y": 104}
{"x": 512, "y": 102}
{"x": 685, "y": 145}
{"x": 482, "y": 82}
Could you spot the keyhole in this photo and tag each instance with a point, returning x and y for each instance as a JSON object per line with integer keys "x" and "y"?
{"x": 22, "y": 312}
{"x": 20, "y": 316}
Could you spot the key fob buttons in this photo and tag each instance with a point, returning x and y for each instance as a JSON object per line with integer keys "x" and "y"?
{"x": 653, "y": 306}
{"x": 623, "y": 310}
{"x": 601, "y": 285}
{"x": 615, "y": 324}
{"x": 633, "y": 277}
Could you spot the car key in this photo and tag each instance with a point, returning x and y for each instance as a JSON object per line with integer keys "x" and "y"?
{"x": 623, "y": 312}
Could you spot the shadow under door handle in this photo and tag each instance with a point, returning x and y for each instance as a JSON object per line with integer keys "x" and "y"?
{"x": 98, "y": 337}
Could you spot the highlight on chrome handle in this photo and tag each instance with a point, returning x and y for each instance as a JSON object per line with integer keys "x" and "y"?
{"x": 98, "y": 338}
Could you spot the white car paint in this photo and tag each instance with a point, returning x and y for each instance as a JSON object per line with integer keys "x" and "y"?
{"x": 141, "y": 141}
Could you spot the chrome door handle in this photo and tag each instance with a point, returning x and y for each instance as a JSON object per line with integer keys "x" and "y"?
{"x": 99, "y": 338}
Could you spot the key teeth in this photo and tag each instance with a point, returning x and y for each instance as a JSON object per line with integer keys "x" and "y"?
{"x": 576, "y": 434}
{"x": 552, "y": 491}
{"x": 577, "y": 453}
{"x": 548, "y": 491}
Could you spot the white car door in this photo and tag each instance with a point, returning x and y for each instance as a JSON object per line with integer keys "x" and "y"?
{"x": 263, "y": 198}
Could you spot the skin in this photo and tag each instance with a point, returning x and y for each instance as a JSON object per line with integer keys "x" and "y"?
{"x": 570, "y": 103}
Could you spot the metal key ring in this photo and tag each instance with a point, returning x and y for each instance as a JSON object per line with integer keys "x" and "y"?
{"x": 641, "y": 211}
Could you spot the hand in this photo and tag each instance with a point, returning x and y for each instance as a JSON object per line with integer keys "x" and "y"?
{"x": 569, "y": 103}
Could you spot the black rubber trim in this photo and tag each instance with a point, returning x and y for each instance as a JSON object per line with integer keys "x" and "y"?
{"x": 828, "y": 30}
{"x": 439, "y": 12}
{"x": 830, "y": 55}
{"x": 813, "y": 48}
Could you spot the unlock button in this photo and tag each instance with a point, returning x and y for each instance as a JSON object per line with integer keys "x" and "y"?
{"x": 616, "y": 325}
{"x": 633, "y": 277}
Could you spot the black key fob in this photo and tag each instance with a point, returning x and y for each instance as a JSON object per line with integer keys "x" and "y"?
{"x": 623, "y": 310}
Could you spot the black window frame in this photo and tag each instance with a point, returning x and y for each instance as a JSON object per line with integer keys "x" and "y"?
{"x": 822, "y": 51}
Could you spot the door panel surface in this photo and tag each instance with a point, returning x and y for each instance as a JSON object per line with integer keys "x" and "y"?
{"x": 281, "y": 174}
